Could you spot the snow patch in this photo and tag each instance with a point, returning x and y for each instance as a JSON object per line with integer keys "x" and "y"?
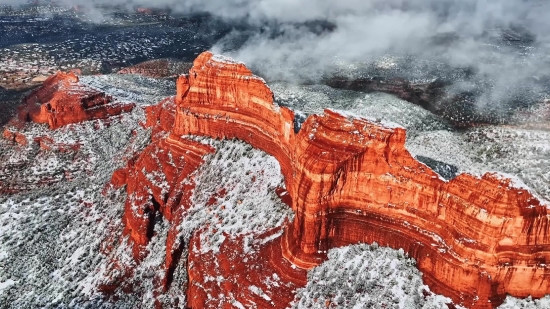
{"x": 367, "y": 276}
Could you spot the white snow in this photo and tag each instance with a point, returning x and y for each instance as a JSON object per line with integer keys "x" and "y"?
{"x": 225, "y": 59}
{"x": 367, "y": 276}
{"x": 352, "y": 115}
{"x": 4, "y": 285}
{"x": 527, "y": 303}
{"x": 249, "y": 177}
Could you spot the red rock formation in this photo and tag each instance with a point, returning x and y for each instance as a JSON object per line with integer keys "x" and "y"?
{"x": 15, "y": 137}
{"x": 261, "y": 278}
{"x": 62, "y": 100}
{"x": 47, "y": 143}
{"x": 155, "y": 185}
{"x": 161, "y": 117}
{"x": 352, "y": 180}
{"x": 349, "y": 180}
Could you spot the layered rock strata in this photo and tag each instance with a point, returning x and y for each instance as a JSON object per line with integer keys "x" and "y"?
{"x": 63, "y": 100}
{"x": 258, "y": 279}
{"x": 159, "y": 182}
{"x": 352, "y": 180}
{"x": 348, "y": 179}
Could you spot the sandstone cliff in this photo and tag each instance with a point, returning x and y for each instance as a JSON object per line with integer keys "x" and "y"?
{"x": 62, "y": 100}
{"x": 349, "y": 180}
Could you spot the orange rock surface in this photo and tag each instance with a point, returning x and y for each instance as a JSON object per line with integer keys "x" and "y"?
{"x": 15, "y": 137}
{"x": 154, "y": 185}
{"x": 349, "y": 180}
{"x": 63, "y": 100}
{"x": 352, "y": 180}
{"x": 161, "y": 117}
{"x": 261, "y": 279}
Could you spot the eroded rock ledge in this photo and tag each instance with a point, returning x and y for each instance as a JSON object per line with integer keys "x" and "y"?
{"x": 349, "y": 180}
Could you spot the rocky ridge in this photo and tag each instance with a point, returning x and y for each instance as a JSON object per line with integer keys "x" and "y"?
{"x": 350, "y": 179}
{"x": 62, "y": 100}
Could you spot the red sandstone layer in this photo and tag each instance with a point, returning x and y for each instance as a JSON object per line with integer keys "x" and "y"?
{"x": 15, "y": 137}
{"x": 352, "y": 180}
{"x": 159, "y": 182}
{"x": 63, "y": 100}
{"x": 261, "y": 278}
{"x": 154, "y": 185}
{"x": 349, "y": 180}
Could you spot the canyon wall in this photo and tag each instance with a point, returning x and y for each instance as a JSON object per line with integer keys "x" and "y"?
{"x": 63, "y": 100}
{"x": 350, "y": 180}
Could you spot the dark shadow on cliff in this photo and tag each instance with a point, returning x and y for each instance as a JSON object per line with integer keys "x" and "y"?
{"x": 447, "y": 171}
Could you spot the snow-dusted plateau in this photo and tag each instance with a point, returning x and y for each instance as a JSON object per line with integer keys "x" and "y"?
{"x": 63, "y": 239}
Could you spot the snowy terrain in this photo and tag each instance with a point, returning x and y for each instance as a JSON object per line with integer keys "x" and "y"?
{"x": 367, "y": 276}
{"x": 249, "y": 177}
{"x": 53, "y": 235}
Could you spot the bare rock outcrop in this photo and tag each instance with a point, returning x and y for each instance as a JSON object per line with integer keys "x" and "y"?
{"x": 349, "y": 179}
{"x": 63, "y": 100}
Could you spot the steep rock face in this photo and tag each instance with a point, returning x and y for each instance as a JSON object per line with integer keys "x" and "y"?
{"x": 221, "y": 98}
{"x": 352, "y": 180}
{"x": 62, "y": 100}
{"x": 157, "y": 183}
{"x": 472, "y": 237}
{"x": 261, "y": 278}
{"x": 161, "y": 117}
{"x": 15, "y": 137}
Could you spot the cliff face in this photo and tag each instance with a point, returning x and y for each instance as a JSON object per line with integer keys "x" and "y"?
{"x": 159, "y": 182}
{"x": 63, "y": 100}
{"x": 348, "y": 179}
{"x": 161, "y": 117}
{"x": 352, "y": 180}
{"x": 223, "y": 99}
{"x": 261, "y": 279}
